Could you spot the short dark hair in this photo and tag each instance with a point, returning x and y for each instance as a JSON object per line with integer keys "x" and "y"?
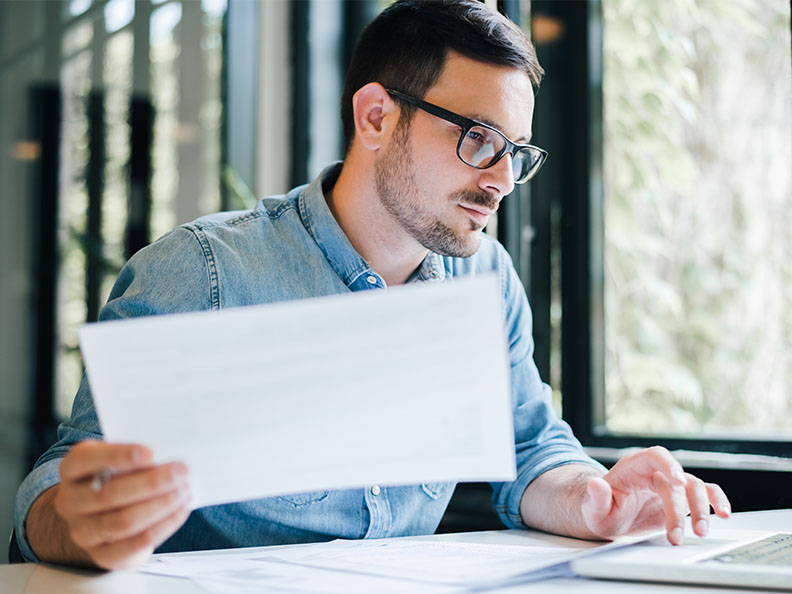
{"x": 406, "y": 46}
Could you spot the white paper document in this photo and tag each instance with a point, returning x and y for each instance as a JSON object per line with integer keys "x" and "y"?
{"x": 401, "y": 386}
{"x": 435, "y": 565}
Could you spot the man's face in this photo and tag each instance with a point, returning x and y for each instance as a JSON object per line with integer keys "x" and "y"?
{"x": 442, "y": 203}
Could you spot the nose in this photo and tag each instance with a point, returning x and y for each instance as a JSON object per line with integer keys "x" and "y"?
{"x": 498, "y": 179}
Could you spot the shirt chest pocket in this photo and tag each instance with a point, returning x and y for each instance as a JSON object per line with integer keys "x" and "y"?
{"x": 298, "y": 500}
{"x": 437, "y": 490}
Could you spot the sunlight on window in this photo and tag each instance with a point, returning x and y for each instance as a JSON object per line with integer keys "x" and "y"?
{"x": 185, "y": 48}
{"x": 698, "y": 217}
{"x": 73, "y": 204}
{"x": 164, "y": 54}
{"x": 118, "y": 14}
{"x": 163, "y": 20}
{"x": 77, "y": 7}
{"x": 214, "y": 9}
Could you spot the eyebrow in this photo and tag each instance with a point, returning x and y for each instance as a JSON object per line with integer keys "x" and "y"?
{"x": 485, "y": 120}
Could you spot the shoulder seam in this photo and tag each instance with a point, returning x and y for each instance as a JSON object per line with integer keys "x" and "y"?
{"x": 210, "y": 262}
{"x": 245, "y": 218}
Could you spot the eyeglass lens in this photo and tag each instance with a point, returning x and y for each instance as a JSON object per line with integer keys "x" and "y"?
{"x": 480, "y": 146}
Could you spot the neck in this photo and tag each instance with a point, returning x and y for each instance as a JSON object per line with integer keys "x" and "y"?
{"x": 386, "y": 246}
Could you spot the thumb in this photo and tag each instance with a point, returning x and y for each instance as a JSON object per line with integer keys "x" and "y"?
{"x": 598, "y": 501}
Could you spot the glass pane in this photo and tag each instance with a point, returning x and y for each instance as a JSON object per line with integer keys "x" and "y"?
{"x": 185, "y": 51}
{"x": 698, "y": 217}
{"x": 77, "y": 37}
{"x": 75, "y": 84}
{"x": 117, "y": 74}
{"x": 164, "y": 54}
{"x": 77, "y": 7}
{"x": 118, "y": 14}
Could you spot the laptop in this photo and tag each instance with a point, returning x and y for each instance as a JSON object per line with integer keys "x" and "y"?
{"x": 754, "y": 559}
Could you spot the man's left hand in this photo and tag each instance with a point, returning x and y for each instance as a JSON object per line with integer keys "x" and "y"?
{"x": 648, "y": 490}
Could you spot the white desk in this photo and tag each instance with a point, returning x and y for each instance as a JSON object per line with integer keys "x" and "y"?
{"x": 38, "y": 579}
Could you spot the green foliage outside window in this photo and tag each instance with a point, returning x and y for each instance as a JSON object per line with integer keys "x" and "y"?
{"x": 698, "y": 217}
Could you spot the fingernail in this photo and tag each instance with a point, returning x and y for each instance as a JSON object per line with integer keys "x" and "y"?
{"x": 680, "y": 477}
{"x": 676, "y": 536}
{"x": 702, "y": 527}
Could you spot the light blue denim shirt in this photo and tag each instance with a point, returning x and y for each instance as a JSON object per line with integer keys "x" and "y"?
{"x": 291, "y": 247}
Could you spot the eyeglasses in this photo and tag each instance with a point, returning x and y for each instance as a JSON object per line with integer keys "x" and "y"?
{"x": 480, "y": 145}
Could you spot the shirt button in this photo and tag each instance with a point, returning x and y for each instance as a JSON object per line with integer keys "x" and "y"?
{"x": 372, "y": 280}
{"x": 375, "y": 490}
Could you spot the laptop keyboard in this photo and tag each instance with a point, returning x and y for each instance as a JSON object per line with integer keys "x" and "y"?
{"x": 773, "y": 550}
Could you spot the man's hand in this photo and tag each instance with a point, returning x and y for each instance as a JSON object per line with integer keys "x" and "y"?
{"x": 648, "y": 490}
{"x": 115, "y": 522}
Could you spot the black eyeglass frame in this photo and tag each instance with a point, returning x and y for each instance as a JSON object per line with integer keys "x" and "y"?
{"x": 466, "y": 124}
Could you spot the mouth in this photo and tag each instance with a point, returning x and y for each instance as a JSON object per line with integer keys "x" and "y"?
{"x": 479, "y": 214}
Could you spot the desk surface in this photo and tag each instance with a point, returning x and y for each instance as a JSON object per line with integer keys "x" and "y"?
{"x": 38, "y": 579}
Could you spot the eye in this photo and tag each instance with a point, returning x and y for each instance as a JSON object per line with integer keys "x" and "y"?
{"x": 475, "y": 135}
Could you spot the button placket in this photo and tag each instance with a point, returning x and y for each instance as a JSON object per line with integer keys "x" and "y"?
{"x": 379, "y": 512}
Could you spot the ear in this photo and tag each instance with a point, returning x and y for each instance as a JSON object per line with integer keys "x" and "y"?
{"x": 375, "y": 115}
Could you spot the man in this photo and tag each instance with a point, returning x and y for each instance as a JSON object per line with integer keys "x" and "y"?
{"x": 437, "y": 112}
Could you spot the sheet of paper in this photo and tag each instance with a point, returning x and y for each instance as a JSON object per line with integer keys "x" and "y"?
{"x": 388, "y": 565}
{"x": 402, "y": 386}
{"x": 242, "y": 574}
{"x": 439, "y": 562}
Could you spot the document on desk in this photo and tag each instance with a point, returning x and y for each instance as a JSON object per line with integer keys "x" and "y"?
{"x": 435, "y": 565}
{"x": 401, "y": 386}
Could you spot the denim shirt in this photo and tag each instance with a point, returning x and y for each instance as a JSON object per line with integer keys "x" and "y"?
{"x": 291, "y": 247}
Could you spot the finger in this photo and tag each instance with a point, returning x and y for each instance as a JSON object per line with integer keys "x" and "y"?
{"x": 102, "y": 529}
{"x": 699, "y": 505}
{"x": 720, "y": 503}
{"x": 674, "y": 507}
{"x": 124, "y": 490}
{"x": 85, "y": 458}
{"x": 644, "y": 464}
{"x": 599, "y": 501}
{"x": 133, "y": 552}
{"x": 599, "y": 511}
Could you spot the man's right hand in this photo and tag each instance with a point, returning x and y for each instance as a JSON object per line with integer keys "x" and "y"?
{"x": 114, "y": 525}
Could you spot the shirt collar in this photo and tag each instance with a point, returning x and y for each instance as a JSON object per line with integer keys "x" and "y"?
{"x": 335, "y": 245}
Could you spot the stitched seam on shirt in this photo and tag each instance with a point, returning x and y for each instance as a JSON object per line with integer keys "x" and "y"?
{"x": 356, "y": 274}
{"x": 253, "y": 215}
{"x": 305, "y": 214}
{"x": 503, "y": 274}
{"x": 211, "y": 265}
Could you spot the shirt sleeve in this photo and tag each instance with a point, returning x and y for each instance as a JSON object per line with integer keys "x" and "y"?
{"x": 542, "y": 440}
{"x": 169, "y": 276}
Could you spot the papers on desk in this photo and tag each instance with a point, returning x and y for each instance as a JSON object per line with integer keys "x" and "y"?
{"x": 393, "y": 387}
{"x": 429, "y": 566}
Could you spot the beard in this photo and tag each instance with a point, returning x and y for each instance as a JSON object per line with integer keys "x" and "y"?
{"x": 394, "y": 177}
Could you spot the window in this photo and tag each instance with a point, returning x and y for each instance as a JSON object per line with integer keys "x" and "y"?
{"x": 116, "y": 138}
{"x": 667, "y": 205}
{"x": 138, "y": 155}
{"x": 697, "y": 218}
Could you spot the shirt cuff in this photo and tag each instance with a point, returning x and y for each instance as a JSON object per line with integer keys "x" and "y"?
{"x": 39, "y": 480}
{"x": 511, "y": 514}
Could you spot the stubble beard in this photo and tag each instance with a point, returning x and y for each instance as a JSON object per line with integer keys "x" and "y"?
{"x": 394, "y": 178}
